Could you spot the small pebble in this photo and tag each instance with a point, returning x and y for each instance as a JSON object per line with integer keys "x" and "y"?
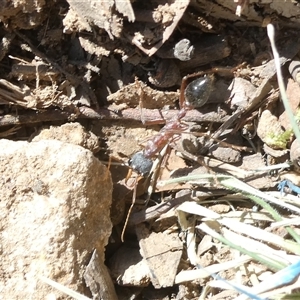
{"x": 183, "y": 50}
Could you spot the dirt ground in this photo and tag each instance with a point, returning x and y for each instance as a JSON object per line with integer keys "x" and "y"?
{"x": 124, "y": 70}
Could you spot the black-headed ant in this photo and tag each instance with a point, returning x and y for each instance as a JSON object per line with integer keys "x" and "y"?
{"x": 193, "y": 94}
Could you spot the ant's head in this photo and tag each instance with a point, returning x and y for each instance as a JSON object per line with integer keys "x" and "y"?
{"x": 141, "y": 164}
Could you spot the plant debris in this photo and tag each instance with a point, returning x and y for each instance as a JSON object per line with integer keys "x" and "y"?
{"x": 180, "y": 99}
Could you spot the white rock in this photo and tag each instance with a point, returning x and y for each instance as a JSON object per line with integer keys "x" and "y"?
{"x": 54, "y": 210}
{"x": 73, "y": 133}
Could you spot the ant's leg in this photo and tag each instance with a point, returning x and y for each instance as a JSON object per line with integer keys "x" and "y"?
{"x": 118, "y": 163}
{"x": 183, "y": 86}
{"x": 130, "y": 208}
{"x": 128, "y": 176}
{"x": 144, "y": 120}
{"x": 228, "y": 71}
{"x": 142, "y": 95}
{"x": 154, "y": 173}
{"x": 153, "y": 176}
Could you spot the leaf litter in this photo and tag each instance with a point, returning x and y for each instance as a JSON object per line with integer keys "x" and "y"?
{"x": 199, "y": 236}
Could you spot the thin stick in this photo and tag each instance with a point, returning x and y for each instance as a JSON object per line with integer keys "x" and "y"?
{"x": 130, "y": 209}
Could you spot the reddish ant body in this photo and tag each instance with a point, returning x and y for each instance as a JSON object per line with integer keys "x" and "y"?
{"x": 158, "y": 141}
{"x": 193, "y": 95}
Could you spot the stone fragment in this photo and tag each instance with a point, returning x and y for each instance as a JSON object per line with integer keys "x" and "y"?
{"x": 98, "y": 279}
{"x": 269, "y": 129}
{"x": 242, "y": 91}
{"x": 295, "y": 155}
{"x": 162, "y": 253}
{"x": 54, "y": 211}
{"x": 73, "y": 133}
{"x": 292, "y": 92}
{"x": 128, "y": 268}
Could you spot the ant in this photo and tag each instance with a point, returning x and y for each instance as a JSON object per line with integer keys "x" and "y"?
{"x": 195, "y": 95}
{"x": 192, "y": 95}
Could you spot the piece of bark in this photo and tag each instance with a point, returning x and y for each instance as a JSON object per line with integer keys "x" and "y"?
{"x": 128, "y": 268}
{"x": 172, "y": 13}
{"x": 206, "y": 51}
{"x": 162, "y": 253}
{"x": 30, "y": 71}
{"x": 149, "y": 116}
{"x": 97, "y": 278}
{"x": 103, "y": 14}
